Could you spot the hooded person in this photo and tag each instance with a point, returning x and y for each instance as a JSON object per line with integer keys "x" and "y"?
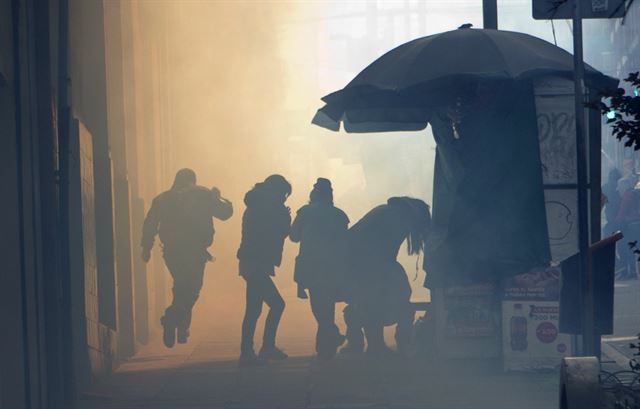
{"x": 183, "y": 219}
{"x": 321, "y": 230}
{"x": 377, "y": 287}
{"x": 265, "y": 226}
{"x": 613, "y": 200}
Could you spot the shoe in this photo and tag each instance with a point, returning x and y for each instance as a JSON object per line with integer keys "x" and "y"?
{"x": 340, "y": 339}
{"x": 272, "y": 354}
{"x": 351, "y": 349}
{"x": 183, "y": 335}
{"x": 169, "y": 332}
{"x": 325, "y": 356}
{"x": 380, "y": 352}
{"x": 248, "y": 359}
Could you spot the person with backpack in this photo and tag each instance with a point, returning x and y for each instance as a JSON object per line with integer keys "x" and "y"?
{"x": 183, "y": 219}
{"x": 321, "y": 230}
{"x": 265, "y": 225}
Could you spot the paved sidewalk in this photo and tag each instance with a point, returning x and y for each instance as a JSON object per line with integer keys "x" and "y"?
{"x": 204, "y": 375}
{"x": 615, "y": 348}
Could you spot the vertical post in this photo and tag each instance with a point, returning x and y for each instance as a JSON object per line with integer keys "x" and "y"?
{"x": 586, "y": 283}
{"x": 490, "y": 14}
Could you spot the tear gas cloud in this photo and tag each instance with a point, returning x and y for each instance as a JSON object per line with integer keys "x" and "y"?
{"x": 245, "y": 79}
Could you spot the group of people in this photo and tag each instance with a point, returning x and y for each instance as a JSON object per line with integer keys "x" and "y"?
{"x": 621, "y": 199}
{"x": 335, "y": 263}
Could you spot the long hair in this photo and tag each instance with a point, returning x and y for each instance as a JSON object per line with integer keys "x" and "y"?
{"x": 420, "y": 221}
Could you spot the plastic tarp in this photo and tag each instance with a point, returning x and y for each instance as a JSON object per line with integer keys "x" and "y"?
{"x": 489, "y": 218}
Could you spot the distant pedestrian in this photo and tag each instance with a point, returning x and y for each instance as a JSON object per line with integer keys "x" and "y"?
{"x": 182, "y": 217}
{"x": 628, "y": 221}
{"x": 321, "y": 230}
{"x": 265, "y": 225}
{"x": 612, "y": 201}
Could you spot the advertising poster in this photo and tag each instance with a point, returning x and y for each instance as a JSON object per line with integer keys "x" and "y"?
{"x": 472, "y": 311}
{"x": 531, "y": 339}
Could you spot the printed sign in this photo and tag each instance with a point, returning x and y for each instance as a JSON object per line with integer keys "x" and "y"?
{"x": 471, "y": 311}
{"x": 531, "y": 339}
{"x": 563, "y": 9}
{"x": 539, "y": 284}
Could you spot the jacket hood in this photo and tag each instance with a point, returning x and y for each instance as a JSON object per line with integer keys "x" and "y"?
{"x": 261, "y": 194}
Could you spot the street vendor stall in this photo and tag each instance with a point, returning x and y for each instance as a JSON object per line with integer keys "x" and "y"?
{"x": 504, "y": 202}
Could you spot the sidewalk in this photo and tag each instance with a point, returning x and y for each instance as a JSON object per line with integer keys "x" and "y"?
{"x": 205, "y": 374}
{"x": 615, "y": 348}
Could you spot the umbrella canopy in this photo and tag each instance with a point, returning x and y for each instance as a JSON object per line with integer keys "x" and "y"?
{"x": 398, "y": 90}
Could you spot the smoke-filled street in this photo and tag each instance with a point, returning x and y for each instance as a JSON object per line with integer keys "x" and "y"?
{"x": 320, "y": 204}
{"x": 205, "y": 374}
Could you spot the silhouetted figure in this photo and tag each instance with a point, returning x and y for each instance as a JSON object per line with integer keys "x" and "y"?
{"x": 265, "y": 225}
{"x": 628, "y": 221}
{"x": 378, "y": 290}
{"x": 613, "y": 199}
{"x": 321, "y": 229}
{"x": 182, "y": 217}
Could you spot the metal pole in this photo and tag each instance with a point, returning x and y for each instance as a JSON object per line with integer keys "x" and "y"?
{"x": 490, "y": 14}
{"x": 581, "y": 163}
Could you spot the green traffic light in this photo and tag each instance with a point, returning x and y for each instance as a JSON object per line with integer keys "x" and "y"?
{"x": 611, "y": 114}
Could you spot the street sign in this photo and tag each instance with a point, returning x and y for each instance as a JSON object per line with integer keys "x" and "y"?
{"x": 563, "y": 9}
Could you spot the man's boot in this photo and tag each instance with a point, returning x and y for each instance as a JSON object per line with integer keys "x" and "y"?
{"x": 272, "y": 353}
{"x": 168, "y": 323}
{"x": 183, "y": 334}
{"x": 183, "y": 328}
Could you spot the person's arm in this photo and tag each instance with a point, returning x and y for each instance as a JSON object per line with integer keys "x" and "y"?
{"x": 296, "y": 228}
{"x": 286, "y": 225}
{"x": 221, "y": 208}
{"x": 150, "y": 229}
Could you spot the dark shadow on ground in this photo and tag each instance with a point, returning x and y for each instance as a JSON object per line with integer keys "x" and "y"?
{"x": 346, "y": 382}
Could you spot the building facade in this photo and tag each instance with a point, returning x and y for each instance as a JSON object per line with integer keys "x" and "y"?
{"x": 82, "y": 126}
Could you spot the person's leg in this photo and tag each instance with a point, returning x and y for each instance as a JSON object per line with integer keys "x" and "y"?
{"x": 273, "y": 299}
{"x": 355, "y": 336}
{"x": 404, "y": 330}
{"x": 190, "y": 291}
{"x": 323, "y": 309}
{"x": 374, "y": 331}
{"x": 172, "y": 314}
{"x": 253, "y": 309}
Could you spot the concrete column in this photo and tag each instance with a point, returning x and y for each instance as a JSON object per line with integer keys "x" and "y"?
{"x": 118, "y": 146}
{"x": 134, "y": 130}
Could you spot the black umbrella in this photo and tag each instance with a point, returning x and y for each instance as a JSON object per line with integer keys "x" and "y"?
{"x": 397, "y": 91}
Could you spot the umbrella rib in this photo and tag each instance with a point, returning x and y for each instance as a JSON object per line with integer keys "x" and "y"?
{"x": 498, "y": 50}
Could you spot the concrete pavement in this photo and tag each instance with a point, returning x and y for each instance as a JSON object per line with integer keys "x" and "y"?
{"x": 205, "y": 374}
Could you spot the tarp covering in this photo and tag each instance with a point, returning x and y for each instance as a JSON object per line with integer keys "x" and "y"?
{"x": 488, "y": 204}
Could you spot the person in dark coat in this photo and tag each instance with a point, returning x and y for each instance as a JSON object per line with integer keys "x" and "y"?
{"x": 321, "y": 230}
{"x": 377, "y": 286}
{"x": 265, "y": 225}
{"x": 628, "y": 221}
{"x": 612, "y": 201}
{"x": 182, "y": 217}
